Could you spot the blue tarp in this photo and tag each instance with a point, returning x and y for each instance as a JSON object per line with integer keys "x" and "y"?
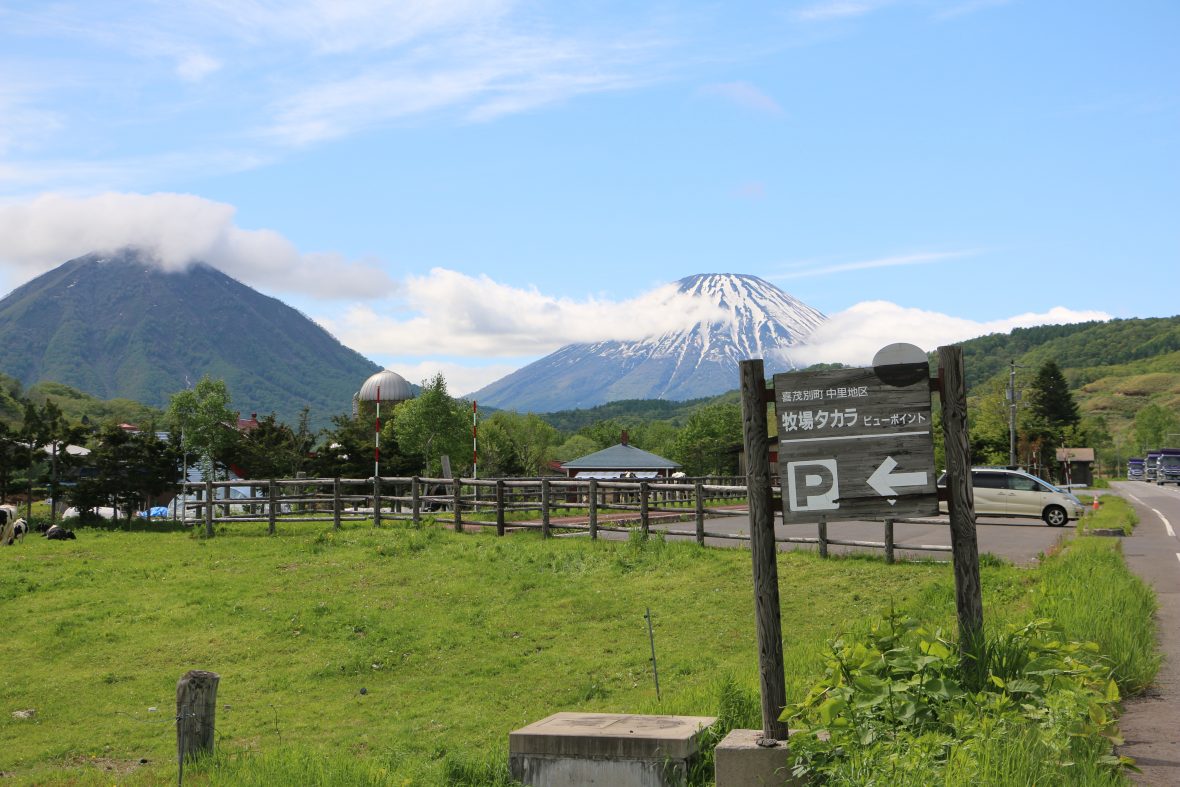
{"x": 157, "y": 512}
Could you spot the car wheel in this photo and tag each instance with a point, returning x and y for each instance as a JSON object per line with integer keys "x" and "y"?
{"x": 1055, "y": 516}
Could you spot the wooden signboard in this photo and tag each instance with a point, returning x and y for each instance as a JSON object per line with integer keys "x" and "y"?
{"x": 856, "y": 443}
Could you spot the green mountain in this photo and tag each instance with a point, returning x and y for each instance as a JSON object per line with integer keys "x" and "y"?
{"x": 118, "y": 327}
{"x": 1114, "y": 368}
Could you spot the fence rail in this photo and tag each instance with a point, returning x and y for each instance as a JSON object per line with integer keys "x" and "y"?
{"x": 586, "y": 505}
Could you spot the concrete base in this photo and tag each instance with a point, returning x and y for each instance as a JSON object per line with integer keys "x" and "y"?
{"x": 607, "y": 749}
{"x": 739, "y": 761}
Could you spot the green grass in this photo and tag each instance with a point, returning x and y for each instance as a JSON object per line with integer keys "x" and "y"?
{"x": 1114, "y": 513}
{"x": 1093, "y": 597}
{"x": 456, "y": 639}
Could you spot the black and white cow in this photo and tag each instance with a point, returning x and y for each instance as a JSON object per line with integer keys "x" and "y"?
{"x": 59, "y": 533}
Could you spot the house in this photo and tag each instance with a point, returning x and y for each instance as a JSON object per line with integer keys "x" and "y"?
{"x": 620, "y": 461}
{"x": 1075, "y": 466}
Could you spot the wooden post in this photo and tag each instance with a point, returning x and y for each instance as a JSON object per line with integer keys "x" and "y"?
{"x": 822, "y": 527}
{"x": 416, "y": 500}
{"x": 889, "y": 541}
{"x": 209, "y": 513}
{"x": 457, "y": 496}
{"x": 337, "y": 503}
{"x": 271, "y": 506}
{"x": 592, "y": 496}
{"x": 699, "y": 493}
{"x": 376, "y": 501}
{"x": 767, "y": 612}
{"x": 499, "y": 506}
{"x": 196, "y": 709}
{"x": 545, "y": 507}
{"x": 644, "y": 523}
{"x": 960, "y": 498}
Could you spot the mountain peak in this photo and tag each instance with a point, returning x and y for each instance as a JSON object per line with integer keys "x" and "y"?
{"x": 758, "y": 321}
{"x": 117, "y": 324}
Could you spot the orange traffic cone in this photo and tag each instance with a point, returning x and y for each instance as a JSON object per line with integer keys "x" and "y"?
{"x": 1095, "y": 502}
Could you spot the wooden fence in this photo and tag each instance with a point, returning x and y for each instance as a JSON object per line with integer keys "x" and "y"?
{"x": 590, "y": 506}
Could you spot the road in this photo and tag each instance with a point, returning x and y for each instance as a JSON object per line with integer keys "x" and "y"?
{"x": 1151, "y": 725}
{"x": 1019, "y": 541}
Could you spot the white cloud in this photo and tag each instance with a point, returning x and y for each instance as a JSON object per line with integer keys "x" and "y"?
{"x": 921, "y": 258}
{"x": 839, "y": 9}
{"x": 462, "y": 378}
{"x": 195, "y": 66}
{"x": 341, "y": 26}
{"x": 854, "y": 335}
{"x": 20, "y": 121}
{"x": 481, "y": 76}
{"x": 460, "y": 315}
{"x": 745, "y": 95}
{"x": 178, "y": 229}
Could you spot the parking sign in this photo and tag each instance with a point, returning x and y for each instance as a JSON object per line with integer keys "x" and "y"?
{"x": 856, "y": 443}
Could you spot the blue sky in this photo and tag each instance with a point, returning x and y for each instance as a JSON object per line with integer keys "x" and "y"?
{"x": 466, "y": 185}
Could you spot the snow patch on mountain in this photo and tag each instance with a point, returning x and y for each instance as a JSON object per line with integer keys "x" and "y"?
{"x": 756, "y": 320}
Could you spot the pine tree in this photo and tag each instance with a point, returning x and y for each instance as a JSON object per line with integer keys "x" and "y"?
{"x": 1052, "y": 401}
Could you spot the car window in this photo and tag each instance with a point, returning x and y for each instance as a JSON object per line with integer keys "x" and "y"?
{"x": 1021, "y": 483}
{"x": 986, "y": 480}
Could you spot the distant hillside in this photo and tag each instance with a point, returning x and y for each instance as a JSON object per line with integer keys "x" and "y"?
{"x": 627, "y": 412}
{"x": 1114, "y": 368}
{"x": 1077, "y": 346}
{"x": 116, "y": 326}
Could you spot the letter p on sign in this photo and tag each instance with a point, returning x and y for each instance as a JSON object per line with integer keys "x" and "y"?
{"x": 813, "y": 485}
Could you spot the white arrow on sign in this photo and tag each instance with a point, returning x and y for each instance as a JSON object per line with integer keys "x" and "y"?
{"x": 883, "y": 480}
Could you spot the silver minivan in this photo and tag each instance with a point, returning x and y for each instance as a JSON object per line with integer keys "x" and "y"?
{"x": 999, "y": 491}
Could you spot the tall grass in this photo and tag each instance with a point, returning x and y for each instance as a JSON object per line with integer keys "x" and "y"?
{"x": 1092, "y": 596}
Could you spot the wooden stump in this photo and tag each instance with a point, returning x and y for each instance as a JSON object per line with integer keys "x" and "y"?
{"x": 196, "y": 708}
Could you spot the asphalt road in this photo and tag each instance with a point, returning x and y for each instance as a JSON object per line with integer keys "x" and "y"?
{"x": 1151, "y": 725}
{"x": 1019, "y": 541}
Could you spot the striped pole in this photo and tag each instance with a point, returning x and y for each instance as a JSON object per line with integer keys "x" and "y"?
{"x": 377, "y": 439}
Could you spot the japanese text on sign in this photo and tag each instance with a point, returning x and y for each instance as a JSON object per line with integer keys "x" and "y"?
{"x": 819, "y": 394}
{"x": 848, "y": 418}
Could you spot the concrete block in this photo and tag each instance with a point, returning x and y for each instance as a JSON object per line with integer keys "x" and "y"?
{"x": 606, "y": 749}
{"x": 738, "y": 761}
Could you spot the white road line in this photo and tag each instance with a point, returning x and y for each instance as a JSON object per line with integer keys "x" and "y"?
{"x": 1167, "y": 524}
{"x": 1137, "y": 500}
{"x": 1178, "y": 555}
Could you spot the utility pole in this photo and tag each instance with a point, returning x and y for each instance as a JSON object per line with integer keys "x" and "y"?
{"x": 1013, "y": 398}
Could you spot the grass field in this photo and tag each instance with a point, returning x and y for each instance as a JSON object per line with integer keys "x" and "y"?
{"x": 408, "y": 652}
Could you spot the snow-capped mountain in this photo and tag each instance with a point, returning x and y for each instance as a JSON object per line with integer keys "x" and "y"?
{"x": 758, "y": 321}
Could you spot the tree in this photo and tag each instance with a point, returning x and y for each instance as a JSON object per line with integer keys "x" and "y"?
{"x": 708, "y": 444}
{"x": 1051, "y": 412}
{"x": 1051, "y": 398}
{"x": 207, "y": 427}
{"x": 988, "y": 417}
{"x": 511, "y": 444}
{"x": 274, "y": 450}
{"x": 432, "y": 425}
{"x": 603, "y": 433}
{"x": 1153, "y": 424}
{"x": 12, "y": 457}
{"x": 127, "y": 471}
